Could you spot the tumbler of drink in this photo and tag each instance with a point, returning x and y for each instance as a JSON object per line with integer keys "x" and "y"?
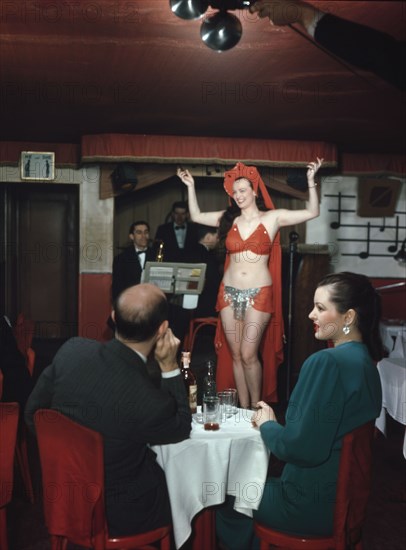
{"x": 226, "y": 404}
{"x": 211, "y": 413}
{"x": 234, "y": 398}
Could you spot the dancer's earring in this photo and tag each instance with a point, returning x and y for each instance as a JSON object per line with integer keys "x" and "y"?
{"x": 346, "y": 329}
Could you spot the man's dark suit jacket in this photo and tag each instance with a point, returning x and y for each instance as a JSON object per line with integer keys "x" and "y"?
{"x": 172, "y": 252}
{"x": 127, "y": 269}
{"x": 106, "y": 387}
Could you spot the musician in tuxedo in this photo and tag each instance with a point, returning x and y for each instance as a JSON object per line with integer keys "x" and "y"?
{"x": 206, "y": 252}
{"x": 106, "y": 387}
{"x": 179, "y": 235}
{"x": 129, "y": 264}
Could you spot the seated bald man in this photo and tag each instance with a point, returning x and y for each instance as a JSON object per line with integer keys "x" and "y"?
{"x": 106, "y": 387}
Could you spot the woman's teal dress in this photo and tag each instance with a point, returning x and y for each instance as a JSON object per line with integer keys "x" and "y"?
{"x": 338, "y": 389}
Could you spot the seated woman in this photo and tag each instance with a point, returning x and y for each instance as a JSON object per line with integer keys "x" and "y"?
{"x": 338, "y": 390}
{"x": 250, "y": 291}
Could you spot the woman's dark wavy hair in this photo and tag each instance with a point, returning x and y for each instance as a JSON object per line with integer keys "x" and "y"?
{"x": 140, "y": 324}
{"x": 354, "y": 291}
{"x": 227, "y": 219}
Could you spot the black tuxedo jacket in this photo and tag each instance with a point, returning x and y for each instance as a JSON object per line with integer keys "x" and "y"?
{"x": 127, "y": 269}
{"x": 172, "y": 252}
{"x": 106, "y": 387}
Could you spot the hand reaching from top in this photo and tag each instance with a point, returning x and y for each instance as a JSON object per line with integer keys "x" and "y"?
{"x": 186, "y": 177}
{"x": 286, "y": 12}
{"x": 279, "y": 12}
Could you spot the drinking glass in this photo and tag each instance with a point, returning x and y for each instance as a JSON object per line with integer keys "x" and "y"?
{"x": 211, "y": 412}
{"x": 226, "y": 404}
{"x": 234, "y": 394}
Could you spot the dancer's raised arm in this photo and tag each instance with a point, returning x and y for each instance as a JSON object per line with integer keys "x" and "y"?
{"x": 312, "y": 210}
{"x": 205, "y": 218}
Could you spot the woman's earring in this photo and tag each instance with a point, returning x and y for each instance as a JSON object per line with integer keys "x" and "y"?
{"x": 346, "y": 329}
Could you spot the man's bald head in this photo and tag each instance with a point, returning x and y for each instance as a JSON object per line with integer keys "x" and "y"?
{"x": 139, "y": 311}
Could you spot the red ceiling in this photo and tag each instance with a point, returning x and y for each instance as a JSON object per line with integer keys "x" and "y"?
{"x": 73, "y": 68}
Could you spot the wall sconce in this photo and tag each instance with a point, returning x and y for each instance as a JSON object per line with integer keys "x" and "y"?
{"x": 220, "y": 31}
{"x": 400, "y": 256}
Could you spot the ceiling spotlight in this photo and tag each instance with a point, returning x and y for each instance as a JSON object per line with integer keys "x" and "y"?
{"x": 219, "y": 31}
{"x": 189, "y": 9}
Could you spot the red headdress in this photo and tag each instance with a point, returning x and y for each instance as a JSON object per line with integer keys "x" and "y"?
{"x": 251, "y": 174}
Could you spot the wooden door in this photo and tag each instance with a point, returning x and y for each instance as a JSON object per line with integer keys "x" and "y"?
{"x": 41, "y": 252}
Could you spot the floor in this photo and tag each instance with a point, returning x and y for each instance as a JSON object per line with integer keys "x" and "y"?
{"x": 385, "y": 527}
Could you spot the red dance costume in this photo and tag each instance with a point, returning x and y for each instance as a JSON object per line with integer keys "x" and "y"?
{"x": 268, "y": 299}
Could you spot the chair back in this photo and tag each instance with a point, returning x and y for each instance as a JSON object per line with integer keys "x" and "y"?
{"x": 72, "y": 466}
{"x": 30, "y": 353}
{"x": 24, "y": 333}
{"x": 8, "y": 434}
{"x": 353, "y": 486}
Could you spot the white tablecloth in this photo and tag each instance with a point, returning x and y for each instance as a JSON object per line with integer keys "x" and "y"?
{"x": 393, "y": 379}
{"x": 203, "y": 469}
{"x": 390, "y": 331}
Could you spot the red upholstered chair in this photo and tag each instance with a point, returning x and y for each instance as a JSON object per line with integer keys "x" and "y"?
{"x": 353, "y": 489}
{"x": 194, "y": 326}
{"x": 24, "y": 333}
{"x": 72, "y": 467}
{"x": 8, "y": 434}
{"x": 30, "y": 353}
{"x": 23, "y": 462}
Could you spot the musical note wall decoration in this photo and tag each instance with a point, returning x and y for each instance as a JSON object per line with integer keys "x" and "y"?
{"x": 339, "y": 209}
{"x": 394, "y": 247}
{"x": 336, "y": 225}
{"x": 390, "y": 231}
{"x": 364, "y": 255}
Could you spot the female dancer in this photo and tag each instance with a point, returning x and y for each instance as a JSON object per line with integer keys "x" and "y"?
{"x": 338, "y": 390}
{"x": 247, "y": 297}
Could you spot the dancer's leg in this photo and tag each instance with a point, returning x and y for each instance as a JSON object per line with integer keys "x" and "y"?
{"x": 253, "y": 328}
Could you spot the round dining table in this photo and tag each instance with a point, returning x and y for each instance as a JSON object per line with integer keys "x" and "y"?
{"x": 203, "y": 469}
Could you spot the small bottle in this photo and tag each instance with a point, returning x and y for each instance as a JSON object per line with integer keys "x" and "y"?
{"x": 160, "y": 253}
{"x": 209, "y": 382}
{"x": 190, "y": 381}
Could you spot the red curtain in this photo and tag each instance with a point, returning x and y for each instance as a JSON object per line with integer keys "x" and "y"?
{"x": 372, "y": 164}
{"x": 204, "y": 150}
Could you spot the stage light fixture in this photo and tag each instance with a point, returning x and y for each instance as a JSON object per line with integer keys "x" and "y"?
{"x": 221, "y": 30}
{"x": 189, "y": 9}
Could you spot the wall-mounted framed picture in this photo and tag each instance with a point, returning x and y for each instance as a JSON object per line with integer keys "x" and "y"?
{"x": 377, "y": 197}
{"x": 37, "y": 166}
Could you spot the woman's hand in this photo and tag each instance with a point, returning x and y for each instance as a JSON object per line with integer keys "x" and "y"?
{"x": 263, "y": 414}
{"x": 186, "y": 177}
{"x": 312, "y": 168}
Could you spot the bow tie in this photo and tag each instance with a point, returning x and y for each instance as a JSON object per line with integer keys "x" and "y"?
{"x": 179, "y": 227}
{"x": 141, "y": 252}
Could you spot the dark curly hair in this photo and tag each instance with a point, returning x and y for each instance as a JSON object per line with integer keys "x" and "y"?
{"x": 227, "y": 219}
